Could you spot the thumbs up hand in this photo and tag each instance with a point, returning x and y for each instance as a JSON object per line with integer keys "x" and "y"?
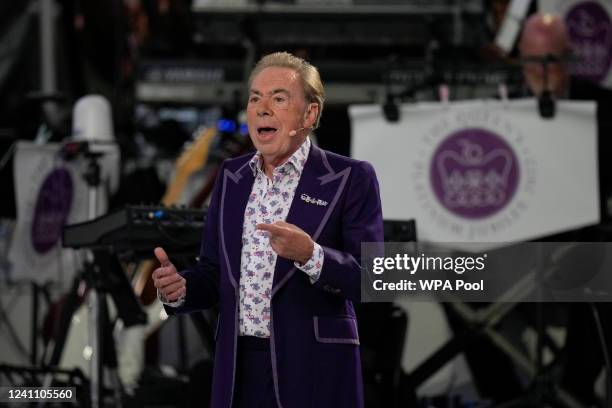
{"x": 167, "y": 280}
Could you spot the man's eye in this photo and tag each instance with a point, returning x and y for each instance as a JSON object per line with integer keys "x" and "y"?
{"x": 279, "y": 99}
{"x": 253, "y": 99}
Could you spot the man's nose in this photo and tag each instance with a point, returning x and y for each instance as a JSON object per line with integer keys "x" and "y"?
{"x": 263, "y": 108}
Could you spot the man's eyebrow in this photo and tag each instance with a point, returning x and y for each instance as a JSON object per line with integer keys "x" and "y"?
{"x": 275, "y": 91}
{"x": 280, "y": 90}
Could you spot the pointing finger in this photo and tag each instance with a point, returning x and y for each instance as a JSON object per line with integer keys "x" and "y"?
{"x": 271, "y": 228}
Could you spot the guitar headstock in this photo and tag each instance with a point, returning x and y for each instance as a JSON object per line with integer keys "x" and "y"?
{"x": 195, "y": 155}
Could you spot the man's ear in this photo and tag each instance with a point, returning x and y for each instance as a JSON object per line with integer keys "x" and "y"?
{"x": 310, "y": 117}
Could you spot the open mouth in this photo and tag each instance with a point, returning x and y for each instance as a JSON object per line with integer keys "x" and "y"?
{"x": 266, "y": 131}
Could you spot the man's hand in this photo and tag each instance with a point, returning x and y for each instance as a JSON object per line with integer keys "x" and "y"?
{"x": 166, "y": 278}
{"x": 289, "y": 241}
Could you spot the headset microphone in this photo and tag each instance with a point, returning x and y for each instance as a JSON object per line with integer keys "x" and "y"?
{"x": 294, "y": 132}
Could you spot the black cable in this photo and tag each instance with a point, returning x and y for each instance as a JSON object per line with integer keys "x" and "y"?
{"x": 606, "y": 356}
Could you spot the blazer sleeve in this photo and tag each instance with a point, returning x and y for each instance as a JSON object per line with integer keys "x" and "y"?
{"x": 361, "y": 222}
{"x": 203, "y": 277}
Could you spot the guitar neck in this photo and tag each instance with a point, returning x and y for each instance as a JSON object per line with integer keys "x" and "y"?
{"x": 175, "y": 189}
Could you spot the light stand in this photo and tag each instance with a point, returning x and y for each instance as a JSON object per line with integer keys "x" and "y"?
{"x": 98, "y": 320}
{"x": 96, "y": 299}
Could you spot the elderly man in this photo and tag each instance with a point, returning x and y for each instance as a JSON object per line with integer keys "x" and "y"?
{"x": 544, "y": 35}
{"x": 280, "y": 254}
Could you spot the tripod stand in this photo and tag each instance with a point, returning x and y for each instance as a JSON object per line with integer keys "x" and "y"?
{"x": 102, "y": 275}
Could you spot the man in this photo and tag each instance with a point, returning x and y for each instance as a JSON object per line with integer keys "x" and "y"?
{"x": 281, "y": 254}
{"x": 546, "y": 35}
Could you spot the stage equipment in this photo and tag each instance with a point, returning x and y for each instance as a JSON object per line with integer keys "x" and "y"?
{"x": 133, "y": 230}
{"x": 139, "y": 228}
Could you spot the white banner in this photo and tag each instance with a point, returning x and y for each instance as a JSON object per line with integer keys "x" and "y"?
{"x": 50, "y": 193}
{"x": 589, "y": 25}
{"x": 483, "y": 171}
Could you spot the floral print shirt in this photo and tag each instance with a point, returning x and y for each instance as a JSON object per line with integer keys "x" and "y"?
{"x": 269, "y": 202}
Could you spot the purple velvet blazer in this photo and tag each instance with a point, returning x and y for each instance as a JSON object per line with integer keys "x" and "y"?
{"x": 314, "y": 339}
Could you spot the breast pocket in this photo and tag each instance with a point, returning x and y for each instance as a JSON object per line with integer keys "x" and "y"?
{"x": 336, "y": 329}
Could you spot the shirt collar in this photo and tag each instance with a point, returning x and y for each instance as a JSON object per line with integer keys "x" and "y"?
{"x": 295, "y": 162}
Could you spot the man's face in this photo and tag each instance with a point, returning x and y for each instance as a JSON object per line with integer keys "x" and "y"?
{"x": 276, "y": 106}
{"x": 534, "y": 72}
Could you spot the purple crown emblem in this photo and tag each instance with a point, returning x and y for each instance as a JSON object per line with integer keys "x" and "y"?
{"x": 590, "y": 31}
{"x": 52, "y": 208}
{"x": 474, "y": 173}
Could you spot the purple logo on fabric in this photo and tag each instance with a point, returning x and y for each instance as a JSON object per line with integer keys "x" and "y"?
{"x": 590, "y": 30}
{"x": 474, "y": 173}
{"x": 52, "y": 207}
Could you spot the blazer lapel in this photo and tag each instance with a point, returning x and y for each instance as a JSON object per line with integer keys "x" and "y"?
{"x": 314, "y": 201}
{"x": 234, "y": 196}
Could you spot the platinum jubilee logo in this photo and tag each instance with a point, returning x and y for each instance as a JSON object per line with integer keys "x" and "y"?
{"x": 590, "y": 30}
{"x": 474, "y": 173}
{"x": 52, "y": 209}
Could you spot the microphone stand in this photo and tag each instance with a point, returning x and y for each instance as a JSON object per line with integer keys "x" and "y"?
{"x": 546, "y": 102}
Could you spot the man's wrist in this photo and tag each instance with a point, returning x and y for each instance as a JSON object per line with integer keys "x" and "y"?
{"x": 172, "y": 303}
{"x": 312, "y": 267}
{"x": 305, "y": 260}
